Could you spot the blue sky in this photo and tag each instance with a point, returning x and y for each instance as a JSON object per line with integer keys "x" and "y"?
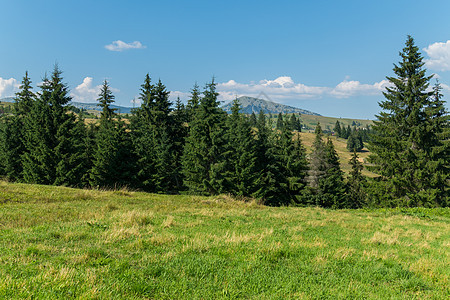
{"x": 330, "y": 57}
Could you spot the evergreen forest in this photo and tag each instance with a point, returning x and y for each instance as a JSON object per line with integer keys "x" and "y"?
{"x": 196, "y": 148}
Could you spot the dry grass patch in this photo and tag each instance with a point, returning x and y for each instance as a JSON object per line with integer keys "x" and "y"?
{"x": 343, "y": 253}
{"x": 135, "y": 218}
{"x": 168, "y": 222}
{"x": 382, "y": 238}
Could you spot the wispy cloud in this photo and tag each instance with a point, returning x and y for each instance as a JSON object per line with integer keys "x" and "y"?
{"x": 8, "y": 87}
{"x": 439, "y": 54}
{"x": 284, "y": 88}
{"x": 86, "y": 92}
{"x": 122, "y": 46}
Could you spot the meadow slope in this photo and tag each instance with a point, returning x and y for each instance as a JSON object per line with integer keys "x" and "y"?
{"x": 60, "y": 243}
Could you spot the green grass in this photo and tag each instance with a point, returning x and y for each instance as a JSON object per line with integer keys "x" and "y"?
{"x": 328, "y": 123}
{"x": 62, "y": 243}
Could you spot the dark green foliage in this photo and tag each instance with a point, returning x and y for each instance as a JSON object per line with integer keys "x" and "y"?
{"x": 252, "y": 119}
{"x": 241, "y": 155}
{"x": 280, "y": 122}
{"x": 356, "y": 196}
{"x": 331, "y": 186}
{"x": 293, "y": 164}
{"x": 271, "y": 183}
{"x": 158, "y": 137}
{"x": 53, "y": 152}
{"x": 193, "y": 102}
{"x": 337, "y": 129}
{"x": 113, "y": 160}
{"x": 12, "y": 132}
{"x": 325, "y": 175}
{"x": 203, "y": 156}
{"x": 354, "y": 142}
{"x": 293, "y": 124}
{"x": 411, "y": 141}
{"x": 144, "y": 137}
{"x": 105, "y": 99}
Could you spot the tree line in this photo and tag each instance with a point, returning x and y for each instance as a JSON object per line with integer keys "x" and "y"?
{"x": 197, "y": 148}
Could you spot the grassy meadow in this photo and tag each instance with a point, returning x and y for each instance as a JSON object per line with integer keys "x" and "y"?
{"x": 63, "y": 243}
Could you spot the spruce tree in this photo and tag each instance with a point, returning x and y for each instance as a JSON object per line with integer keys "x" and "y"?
{"x": 203, "y": 155}
{"x": 12, "y": 132}
{"x": 280, "y": 122}
{"x": 252, "y": 119}
{"x": 292, "y": 157}
{"x": 332, "y": 189}
{"x": 354, "y": 142}
{"x": 271, "y": 183}
{"x": 411, "y": 140}
{"x": 356, "y": 196}
{"x": 241, "y": 155}
{"x": 54, "y": 150}
{"x": 337, "y": 129}
{"x": 144, "y": 137}
{"x": 193, "y": 102}
{"x": 317, "y": 161}
{"x": 113, "y": 161}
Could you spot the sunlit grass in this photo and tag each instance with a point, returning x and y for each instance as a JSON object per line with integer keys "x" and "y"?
{"x": 59, "y": 243}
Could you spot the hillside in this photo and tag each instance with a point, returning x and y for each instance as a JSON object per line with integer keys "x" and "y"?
{"x": 61, "y": 243}
{"x": 250, "y": 104}
{"x": 341, "y": 148}
{"x": 95, "y": 107}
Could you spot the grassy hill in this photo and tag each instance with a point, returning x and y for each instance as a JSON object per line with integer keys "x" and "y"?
{"x": 60, "y": 243}
{"x": 341, "y": 148}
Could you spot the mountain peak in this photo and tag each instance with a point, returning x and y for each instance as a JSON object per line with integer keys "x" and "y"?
{"x": 251, "y": 104}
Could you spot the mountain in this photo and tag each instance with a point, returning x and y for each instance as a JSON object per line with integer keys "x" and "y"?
{"x": 7, "y": 99}
{"x": 94, "y": 106}
{"x": 250, "y": 104}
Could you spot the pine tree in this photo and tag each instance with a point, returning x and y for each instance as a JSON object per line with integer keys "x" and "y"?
{"x": 252, "y": 119}
{"x": 331, "y": 186}
{"x": 53, "y": 152}
{"x": 411, "y": 140}
{"x": 240, "y": 154}
{"x": 144, "y": 137}
{"x": 292, "y": 157}
{"x": 113, "y": 161}
{"x": 280, "y": 122}
{"x": 203, "y": 156}
{"x": 337, "y": 129}
{"x": 356, "y": 196}
{"x": 325, "y": 175}
{"x": 12, "y": 132}
{"x": 193, "y": 102}
{"x": 271, "y": 183}
{"x": 317, "y": 163}
{"x": 354, "y": 142}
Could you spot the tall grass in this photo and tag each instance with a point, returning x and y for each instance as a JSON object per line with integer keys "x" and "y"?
{"x": 59, "y": 243}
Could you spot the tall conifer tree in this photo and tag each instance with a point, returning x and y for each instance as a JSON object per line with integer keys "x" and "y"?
{"x": 411, "y": 140}
{"x": 203, "y": 156}
{"x": 12, "y": 132}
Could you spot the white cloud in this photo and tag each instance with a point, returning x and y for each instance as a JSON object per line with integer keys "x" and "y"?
{"x": 86, "y": 92}
{"x": 8, "y": 87}
{"x": 284, "y": 87}
{"x": 439, "y": 54}
{"x": 121, "y": 46}
{"x": 350, "y": 88}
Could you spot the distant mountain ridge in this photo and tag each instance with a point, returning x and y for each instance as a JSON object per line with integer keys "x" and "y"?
{"x": 254, "y": 105}
{"x": 94, "y": 106}
{"x": 86, "y": 106}
{"x": 248, "y": 105}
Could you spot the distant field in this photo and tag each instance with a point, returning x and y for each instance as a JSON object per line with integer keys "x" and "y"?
{"x": 328, "y": 123}
{"x": 341, "y": 149}
{"x": 62, "y": 243}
